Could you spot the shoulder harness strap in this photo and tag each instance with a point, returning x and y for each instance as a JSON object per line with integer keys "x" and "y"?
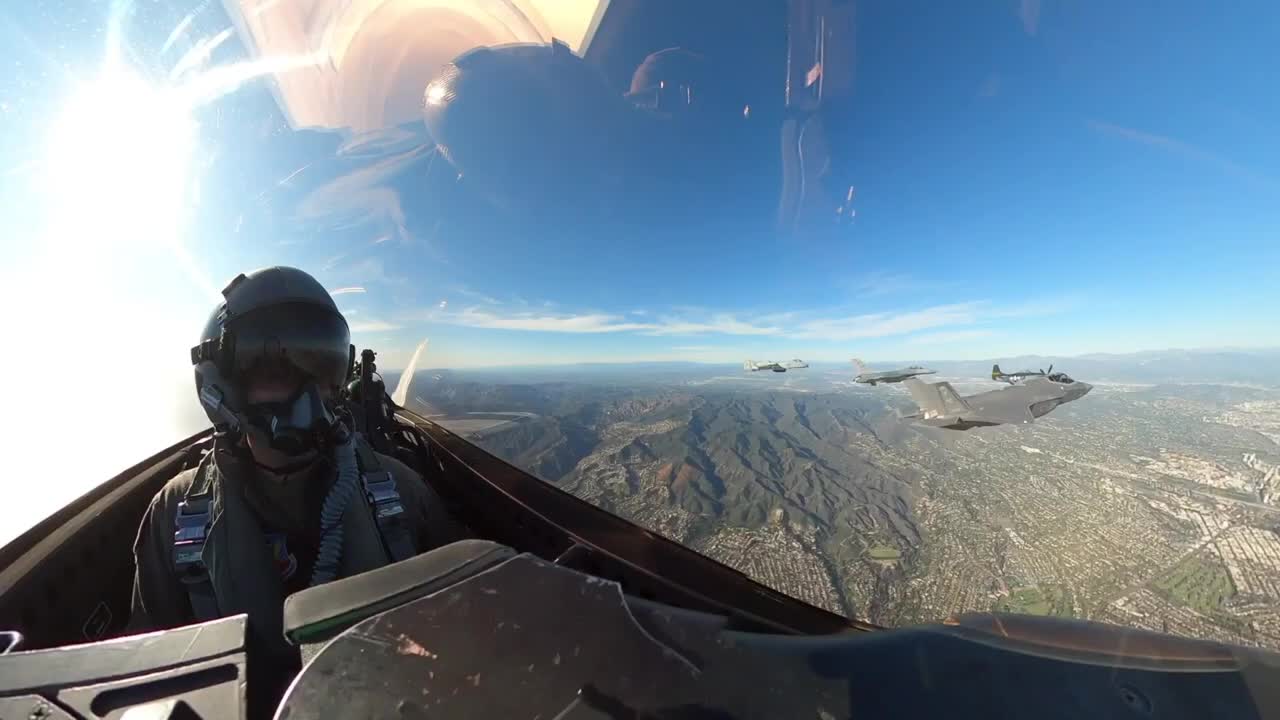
{"x": 384, "y": 500}
{"x": 191, "y": 529}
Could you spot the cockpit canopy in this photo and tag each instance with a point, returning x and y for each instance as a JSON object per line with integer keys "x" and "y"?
{"x": 1061, "y": 378}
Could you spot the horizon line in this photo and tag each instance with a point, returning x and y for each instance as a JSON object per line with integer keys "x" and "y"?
{"x": 993, "y": 359}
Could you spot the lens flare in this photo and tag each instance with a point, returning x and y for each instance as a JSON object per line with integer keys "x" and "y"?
{"x": 116, "y": 165}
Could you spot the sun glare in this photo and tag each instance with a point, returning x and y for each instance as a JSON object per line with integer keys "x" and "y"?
{"x": 116, "y": 163}
{"x": 111, "y": 190}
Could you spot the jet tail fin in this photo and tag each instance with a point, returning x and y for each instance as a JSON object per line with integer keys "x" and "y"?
{"x": 936, "y": 399}
{"x": 995, "y": 372}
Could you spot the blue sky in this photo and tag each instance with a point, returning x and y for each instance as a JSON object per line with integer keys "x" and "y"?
{"x": 1030, "y": 179}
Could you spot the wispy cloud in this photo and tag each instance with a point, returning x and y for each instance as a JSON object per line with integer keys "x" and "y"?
{"x": 1029, "y": 14}
{"x": 888, "y": 323}
{"x": 540, "y": 322}
{"x": 346, "y": 290}
{"x": 365, "y": 196}
{"x": 1186, "y": 150}
{"x": 990, "y": 87}
{"x": 476, "y": 296}
{"x": 372, "y": 326}
{"x": 594, "y": 322}
{"x": 950, "y": 336}
{"x": 371, "y": 270}
{"x": 717, "y": 325}
{"x": 829, "y": 326}
{"x": 880, "y": 283}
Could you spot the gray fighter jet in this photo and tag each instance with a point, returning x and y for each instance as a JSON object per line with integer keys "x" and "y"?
{"x": 941, "y": 406}
{"x": 887, "y": 376}
{"x": 775, "y": 366}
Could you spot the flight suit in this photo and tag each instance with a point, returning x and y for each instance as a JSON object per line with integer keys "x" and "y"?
{"x": 243, "y": 572}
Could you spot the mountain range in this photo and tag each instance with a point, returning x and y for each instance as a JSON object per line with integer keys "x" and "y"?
{"x": 1246, "y": 366}
{"x": 817, "y": 487}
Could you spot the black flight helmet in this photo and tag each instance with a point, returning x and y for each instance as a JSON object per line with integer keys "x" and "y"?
{"x": 282, "y": 319}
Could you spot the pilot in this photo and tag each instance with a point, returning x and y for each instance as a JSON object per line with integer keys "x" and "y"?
{"x": 288, "y": 497}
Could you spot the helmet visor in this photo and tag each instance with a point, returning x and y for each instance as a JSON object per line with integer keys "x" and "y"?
{"x": 314, "y": 340}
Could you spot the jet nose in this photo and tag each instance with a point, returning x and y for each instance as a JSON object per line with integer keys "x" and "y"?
{"x": 1080, "y": 390}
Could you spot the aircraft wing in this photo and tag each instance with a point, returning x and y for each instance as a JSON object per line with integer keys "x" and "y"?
{"x": 1010, "y": 406}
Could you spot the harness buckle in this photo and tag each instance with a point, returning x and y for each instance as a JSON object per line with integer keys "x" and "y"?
{"x": 380, "y": 490}
{"x": 192, "y": 527}
{"x": 388, "y": 513}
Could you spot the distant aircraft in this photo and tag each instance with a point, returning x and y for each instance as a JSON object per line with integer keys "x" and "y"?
{"x": 887, "y": 376}
{"x": 1013, "y": 377}
{"x": 941, "y": 406}
{"x": 775, "y": 366}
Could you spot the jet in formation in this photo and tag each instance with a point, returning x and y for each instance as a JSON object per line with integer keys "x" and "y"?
{"x": 941, "y": 406}
{"x": 887, "y": 376}
{"x": 773, "y": 365}
{"x": 1013, "y": 377}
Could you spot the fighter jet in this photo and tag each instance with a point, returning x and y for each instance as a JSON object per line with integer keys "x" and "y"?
{"x": 1013, "y": 377}
{"x": 887, "y": 376}
{"x": 941, "y": 406}
{"x": 773, "y": 365}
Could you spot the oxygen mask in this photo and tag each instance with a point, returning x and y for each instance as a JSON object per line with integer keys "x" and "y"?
{"x": 297, "y": 427}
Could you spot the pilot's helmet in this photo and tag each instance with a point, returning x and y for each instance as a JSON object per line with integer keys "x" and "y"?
{"x": 277, "y": 317}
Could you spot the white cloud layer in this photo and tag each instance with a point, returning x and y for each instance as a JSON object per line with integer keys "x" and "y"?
{"x": 887, "y": 324}
{"x": 951, "y": 322}
{"x": 538, "y": 322}
{"x": 715, "y": 325}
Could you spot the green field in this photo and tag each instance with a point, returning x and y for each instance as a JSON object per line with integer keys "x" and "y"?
{"x": 1035, "y": 600}
{"x": 883, "y": 552}
{"x": 1199, "y": 582}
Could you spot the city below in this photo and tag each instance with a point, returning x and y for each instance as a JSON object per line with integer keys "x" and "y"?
{"x": 1148, "y": 505}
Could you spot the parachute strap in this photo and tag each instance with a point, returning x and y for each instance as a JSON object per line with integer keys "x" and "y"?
{"x": 384, "y": 500}
{"x": 365, "y": 455}
{"x": 191, "y": 529}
